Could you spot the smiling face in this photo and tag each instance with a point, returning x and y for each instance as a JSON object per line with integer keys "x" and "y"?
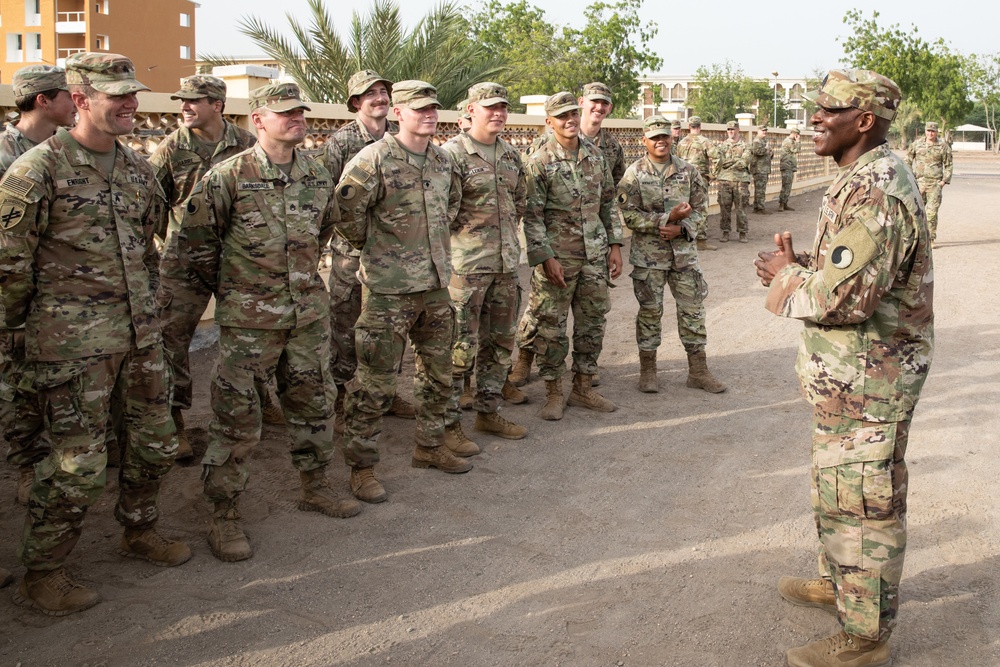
{"x": 373, "y": 103}
{"x": 488, "y": 121}
{"x": 112, "y": 115}
{"x": 839, "y": 133}
{"x": 200, "y": 113}
{"x": 566, "y": 126}
{"x": 417, "y": 122}
{"x": 281, "y": 127}
{"x": 658, "y": 147}
{"x": 594, "y": 111}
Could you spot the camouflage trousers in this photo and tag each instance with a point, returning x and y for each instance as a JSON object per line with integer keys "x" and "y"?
{"x": 181, "y": 301}
{"x": 787, "y": 178}
{"x": 733, "y": 194}
{"x": 486, "y": 306}
{"x": 702, "y": 232}
{"x": 380, "y": 336}
{"x": 760, "y": 190}
{"x": 345, "y": 308}
{"x": 587, "y": 295}
{"x": 689, "y": 290}
{"x": 300, "y": 359}
{"x": 21, "y": 420}
{"x": 76, "y": 397}
{"x": 859, "y": 484}
{"x": 931, "y": 192}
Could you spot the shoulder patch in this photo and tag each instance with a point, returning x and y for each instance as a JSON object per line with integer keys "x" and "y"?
{"x": 622, "y": 197}
{"x": 11, "y": 212}
{"x": 363, "y": 177}
{"x": 849, "y": 251}
{"x": 347, "y": 192}
{"x": 17, "y": 185}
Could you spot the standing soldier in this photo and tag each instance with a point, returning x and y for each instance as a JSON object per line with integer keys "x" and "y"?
{"x": 760, "y": 168}
{"x": 729, "y": 170}
{"x": 661, "y": 199}
{"x": 397, "y": 199}
{"x": 789, "y": 163}
{"x": 252, "y": 231}
{"x": 675, "y": 136}
{"x": 80, "y": 269}
{"x": 930, "y": 160}
{"x": 574, "y": 240}
{"x": 697, "y": 149}
{"x": 485, "y": 253}
{"x": 203, "y": 139}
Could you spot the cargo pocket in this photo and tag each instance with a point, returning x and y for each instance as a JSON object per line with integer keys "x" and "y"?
{"x": 374, "y": 347}
{"x": 855, "y": 472}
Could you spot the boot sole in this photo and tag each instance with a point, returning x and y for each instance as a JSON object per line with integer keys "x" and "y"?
{"x": 581, "y": 404}
{"x": 158, "y": 563}
{"x": 427, "y": 464}
{"x": 373, "y": 500}
{"x": 309, "y": 507}
{"x": 698, "y": 385}
{"x": 28, "y": 603}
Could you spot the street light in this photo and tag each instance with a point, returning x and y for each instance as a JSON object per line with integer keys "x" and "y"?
{"x": 775, "y": 75}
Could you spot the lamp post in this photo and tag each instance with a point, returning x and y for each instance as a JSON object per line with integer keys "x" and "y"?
{"x": 775, "y": 75}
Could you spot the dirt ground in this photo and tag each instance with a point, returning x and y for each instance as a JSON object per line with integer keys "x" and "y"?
{"x": 650, "y": 536}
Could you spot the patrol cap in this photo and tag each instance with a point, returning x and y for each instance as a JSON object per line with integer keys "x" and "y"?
{"x": 794, "y": 129}
{"x": 733, "y": 125}
{"x": 762, "y": 127}
{"x": 277, "y": 97}
{"x": 360, "y": 82}
{"x": 597, "y": 91}
{"x": 414, "y": 94}
{"x": 107, "y": 72}
{"x": 488, "y": 94}
{"x": 655, "y": 126}
{"x": 560, "y": 103}
{"x": 694, "y": 121}
{"x": 463, "y": 109}
{"x": 199, "y": 86}
{"x": 931, "y": 127}
{"x": 858, "y": 88}
{"x": 675, "y": 125}
{"x": 34, "y": 79}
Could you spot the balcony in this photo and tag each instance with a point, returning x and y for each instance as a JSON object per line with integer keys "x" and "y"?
{"x": 71, "y": 23}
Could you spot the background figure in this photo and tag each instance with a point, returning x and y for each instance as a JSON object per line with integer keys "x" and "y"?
{"x": 697, "y": 149}
{"x": 760, "y": 168}
{"x": 789, "y": 164}
{"x": 931, "y": 162}
{"x": 729, "y": 171}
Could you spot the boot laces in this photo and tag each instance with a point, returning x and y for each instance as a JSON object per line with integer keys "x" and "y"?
{"x": 61, "y": 583}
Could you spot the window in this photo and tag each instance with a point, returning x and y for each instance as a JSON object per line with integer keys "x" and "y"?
{"x": 101, "y": 7}
{"x": 32, "y": 12}
{"x": 185, "y": 52}
{"x": 185, "y": 20}
{"x": 15, "y": 48}
{"x": 101, "y": 43}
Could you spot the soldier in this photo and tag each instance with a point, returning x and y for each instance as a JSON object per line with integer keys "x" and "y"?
{"x": 397, "y": 199}
{"x": 930, "y": 160}
{"x": 697, "y": 149}
{"x": 574, "y": 241}
{"x": 464, "y": 117}
{"x": 369, "y": 99}
{"x": 675, "y": 136}
{"x": 663, "y": 252}
{"x": 45, "y": 105}
{"x": 252, "y": 231}
{"x": 203, "y": 139}
{"x": 865, "y": 296}
{"x": 485, "y": 253}
{"x": 729, "y": 170}
{"x": 80, "y": 269}
{"x": 760, "y": 168}
{"x": 789, "y": 163}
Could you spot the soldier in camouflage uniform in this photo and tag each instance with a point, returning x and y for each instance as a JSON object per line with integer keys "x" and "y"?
{"x": 729, "y": 171}
{"x": 203, "y": 139}
{"x": 675, "y": 136}
{"x": 931, "y": 162}
{"x": 252, "y": 231}
{"x": 397, "y": 200}
{"x": 789, "y": 163}
{"x": 760, "y": 168}
{"x": 485, "y": 253}
{"x": 662, "y": 199}
{"x": 45, "y": 105}
{"x": 865, "y": 295}
{"x": 574, "y": 242}
{"x": 697, "y": 149}
{"x": 80, "y": 269}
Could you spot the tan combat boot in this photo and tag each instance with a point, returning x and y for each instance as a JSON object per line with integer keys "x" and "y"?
{"x": 699, "y": 377}
{"x": 53, "y": 593}
{"x": 25, "y": 479}
{"x": 492, "y": 422}
{"x": 512, "y": 394}
{"x": 703, "y": 244}
{"x": 184, "y": 451}
{"x": 339, "y": 422}
{"x": 841, "y": 650}
{"x": 366, "y": 487}
{"x": 725, "y": 237}
{"x": 647, "y": 372}
{"x": 270, "y": 411}
{"x": 584, "y": 396}
{"x": 402, "y": 408}
{"x": 440, "y": 458}
{"x": 522, "y": 367}
{"x": 468, "y": 396}
{"x": 809, "y": 592}
{"x": 318, "y": 496}
{"x": 226, "y": 538}
{"x": 147, "y": 544}
{"x": 459, "y": 443}
{"x": 553, "y": 408}
{"x": 744, "y": 238}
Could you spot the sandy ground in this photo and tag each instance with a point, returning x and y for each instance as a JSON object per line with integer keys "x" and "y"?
{"x": 651, "y": 536}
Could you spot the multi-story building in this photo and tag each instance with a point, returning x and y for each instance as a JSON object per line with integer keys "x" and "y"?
{"x": 158, "y": 35}
{"x": 675, "y": 91}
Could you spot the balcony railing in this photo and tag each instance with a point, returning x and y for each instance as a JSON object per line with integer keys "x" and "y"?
{"x": 71, "y": 16}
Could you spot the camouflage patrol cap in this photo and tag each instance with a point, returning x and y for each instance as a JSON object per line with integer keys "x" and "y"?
{"x": 199, "y": 86}
{"x": 597, "y": 91}
{"x": 360, "y": 82}
{"x": 107, "y": 72}
{"x": 794, "y": 129}
{"x": 858, "y": 88}
{"x": 488, "y": 94}
{"x": 560, "y": 103}
{"x": 414, "y": 95}
{"x": 762, "y": 127}
{"x": 733, "y": 125}
{"x": 463, "y": 109}
{"x": 694, "y": 121}
{"x": 655, "y": 126}
{"x": 277, "y": 97}
{"x": 931, "y": 127}
{"x": 35, "y": 79}
{"x": 675, "y": 125}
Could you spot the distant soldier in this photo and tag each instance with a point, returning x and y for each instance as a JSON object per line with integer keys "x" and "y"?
{"x": 464, "y": 117}
{"x": 675, "y": 136}
{"x": 697, "y": 149}
{"x": 760, "y": 168}
{"x": 789, "y": 163}
{"x": 931, "y": 162}
{"x": 729, "y": 171}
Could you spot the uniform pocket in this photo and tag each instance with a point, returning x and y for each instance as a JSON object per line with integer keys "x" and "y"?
{"x": 854, "y": 475}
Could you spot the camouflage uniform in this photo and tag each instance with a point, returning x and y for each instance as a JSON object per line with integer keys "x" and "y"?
{"x": 697, "y": 149}
{"x": 733, "y": 180}
{"x": 789, "y": 163}
{"x": 932, "y": 165}
{"x": 759, "y": 167}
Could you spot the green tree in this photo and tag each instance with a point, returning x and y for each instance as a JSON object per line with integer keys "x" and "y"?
{"x": 907, "y": 124}
{"x": 723, "y": 90}
{"x": 983, "y": 75}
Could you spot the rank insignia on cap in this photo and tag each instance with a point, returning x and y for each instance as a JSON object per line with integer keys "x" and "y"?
{"x": 841, "y": 257}
{"x": 11, "y": 213}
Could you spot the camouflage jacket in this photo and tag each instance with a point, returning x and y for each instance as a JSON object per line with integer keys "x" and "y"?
{"x": 13, "y": 145}
{"x": 930, "y": 162}
{"x": 697, "y": 150}
{"x": 181, "y": 161}
{"x": 485, "y": 238}
{"x": 570, "y": 211}
{"x": 865, "y": 294}
{"x": 77, "y": 253}
{"x": 253, "y": 236}
{"x": 730, "y": 161}
{"x": 760, "y": 157}
{"x": 400, "y": 215}
{"x": 789, "y": 155}
{"x": 610, "y": 147}
{"x": 646, "y": 198}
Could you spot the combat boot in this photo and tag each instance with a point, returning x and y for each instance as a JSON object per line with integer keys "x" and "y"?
{"x": 584, "y": 396}
{"x": 25, "y": 479}
{"x": 699, "y": 377}
{"x": 512, "y": 394}
{"x": 725, "y": 237}
{"x": 184, "y": 451}
{"x": 270, "y": 411}
{"x": 786, "y": 207}
{"x": 226, "y": 538}
{"x": 841, "y": 650}
{"x": 492, "y": 422}
{"x": 744, "y": 238}
{"x": 147, "y": 544}
{"x": 809, "y": 592}
{"x": 440, "y": 458}
{"x": 456, "y": 440}
{"x": 703, "y": 244}
{"x": 553, "y": 408}
{"x": 468, "y": 396}
{"x": 521, "y": 371}
{"x": 647, "y": 372}
{"x": 53, "y": 593}
{"x": 5, "y": 577}
{"x": 318, "y": 496}
{"x": 339, "y": 421}
{"x": 402, "y": 408}
{"x": 366, "y": 487}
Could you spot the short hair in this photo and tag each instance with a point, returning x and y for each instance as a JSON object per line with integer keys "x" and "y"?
{"x": 26, "y": 103}
{"x": 84, "y": 89}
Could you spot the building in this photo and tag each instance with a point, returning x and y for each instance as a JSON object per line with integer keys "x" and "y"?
{"x": 158, "y": 35}
{"x": 675, "y": 90}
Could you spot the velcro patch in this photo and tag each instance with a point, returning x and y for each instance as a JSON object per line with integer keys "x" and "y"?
{"x": 72, "y": 182}
{"x": 17, "y": 185}
{"x": 11, "y": 212}
{"x": 135, "y": 179}
{"x": 255, "y": 187}
{"x": 849, "y": 252}
{"x": 362, "y": 176}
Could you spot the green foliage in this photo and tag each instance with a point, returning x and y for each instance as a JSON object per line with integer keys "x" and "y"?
{"x": 983, "y": 74}
{"x": 907, "y": 124}
{"x": 723, "y": 91}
